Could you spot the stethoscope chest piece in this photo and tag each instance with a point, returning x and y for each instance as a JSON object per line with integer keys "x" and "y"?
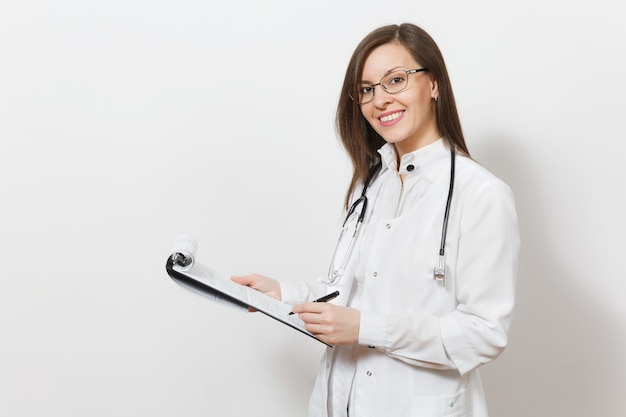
{"x": 354, "y": 220}
{"x": 439, "y": 272}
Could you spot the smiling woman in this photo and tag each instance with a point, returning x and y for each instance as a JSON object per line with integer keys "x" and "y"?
{"x": 403, "y": 115}
{"x": 124, "y": 123}
{"x": 407, "y": 341}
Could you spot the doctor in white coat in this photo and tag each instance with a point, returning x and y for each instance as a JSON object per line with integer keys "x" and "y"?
{"x": 427, "y": 279}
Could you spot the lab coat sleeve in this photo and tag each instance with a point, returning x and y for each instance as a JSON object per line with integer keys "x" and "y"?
{"x": 486, "y": 268}
{"x": 487, "y": 260}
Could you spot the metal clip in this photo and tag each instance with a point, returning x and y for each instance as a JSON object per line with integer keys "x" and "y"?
{"x": 439, "y": 273}
{"x": 180, "y": 259}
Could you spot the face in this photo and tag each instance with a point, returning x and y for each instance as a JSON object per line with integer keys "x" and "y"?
{"x": 407, "y": 118}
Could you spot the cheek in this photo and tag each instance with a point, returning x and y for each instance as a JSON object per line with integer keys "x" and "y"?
{"x": 367, "y": 115}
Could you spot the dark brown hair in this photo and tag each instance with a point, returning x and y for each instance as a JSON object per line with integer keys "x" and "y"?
{"x": 359, "y": 139}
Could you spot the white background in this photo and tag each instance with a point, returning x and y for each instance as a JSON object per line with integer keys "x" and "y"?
{"x": 126, "y": 123}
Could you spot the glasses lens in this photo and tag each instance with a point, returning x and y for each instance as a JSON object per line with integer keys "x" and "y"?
{"x": 395, "y": 82}
{"x": 365, "y": 93}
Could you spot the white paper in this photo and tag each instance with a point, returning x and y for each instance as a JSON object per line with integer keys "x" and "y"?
{"x": 208, "y": 283}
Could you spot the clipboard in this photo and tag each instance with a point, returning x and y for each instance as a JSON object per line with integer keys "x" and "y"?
{"x": 204, "y": 281}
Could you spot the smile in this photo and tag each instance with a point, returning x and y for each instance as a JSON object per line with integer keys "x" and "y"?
{"x": 390, "y": 117}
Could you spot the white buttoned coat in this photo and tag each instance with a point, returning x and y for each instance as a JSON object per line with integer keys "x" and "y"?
{"x": 420, "y": 343}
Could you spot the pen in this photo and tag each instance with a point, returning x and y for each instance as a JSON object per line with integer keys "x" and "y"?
{"x": 328, "y": 297}
{"x": 325, "y": 298}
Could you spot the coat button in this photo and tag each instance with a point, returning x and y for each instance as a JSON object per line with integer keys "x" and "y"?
{"x": 388, "y": 226}
{"x": 410, "y": 167}
{"x": 369, "y": 373}
{"x": 375, "y": 274}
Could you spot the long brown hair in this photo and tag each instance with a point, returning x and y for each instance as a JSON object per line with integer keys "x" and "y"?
{"x": 359, "y": 139}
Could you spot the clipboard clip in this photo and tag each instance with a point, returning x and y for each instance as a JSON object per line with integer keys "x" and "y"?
{"x": 180, "y": 259}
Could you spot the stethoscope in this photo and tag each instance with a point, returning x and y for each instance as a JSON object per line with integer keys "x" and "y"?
{"x": 354, "y": 221}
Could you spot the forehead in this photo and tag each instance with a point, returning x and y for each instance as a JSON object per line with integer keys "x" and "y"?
{"x": 386, "y": 58}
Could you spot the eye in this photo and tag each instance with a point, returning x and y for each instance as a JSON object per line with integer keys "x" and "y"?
{"x": 396, "y": 79}
{"x": 365, "y": 89}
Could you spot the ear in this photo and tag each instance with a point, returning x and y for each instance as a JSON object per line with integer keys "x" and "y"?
{"x": 434, "y": 88}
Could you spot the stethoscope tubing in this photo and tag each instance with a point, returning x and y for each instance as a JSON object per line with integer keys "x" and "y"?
{"x": 444, "y": 229}
{"x": 335, "y": 274}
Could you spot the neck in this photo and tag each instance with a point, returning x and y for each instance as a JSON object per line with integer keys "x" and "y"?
{"x": 405, "y": 148}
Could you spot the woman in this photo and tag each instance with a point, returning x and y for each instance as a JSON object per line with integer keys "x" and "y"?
{"x": 426, "y": 297}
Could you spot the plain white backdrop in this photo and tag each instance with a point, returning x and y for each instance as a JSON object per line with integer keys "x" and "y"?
{"x": 126, "y": 123}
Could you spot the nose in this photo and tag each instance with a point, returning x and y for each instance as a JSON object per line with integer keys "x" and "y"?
{"x": 381, "y": 97}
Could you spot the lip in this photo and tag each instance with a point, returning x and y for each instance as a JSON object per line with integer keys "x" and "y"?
{"x": 396, "y": 116}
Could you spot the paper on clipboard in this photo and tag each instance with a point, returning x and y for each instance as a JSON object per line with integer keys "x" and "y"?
{"x": 208, "y": 283}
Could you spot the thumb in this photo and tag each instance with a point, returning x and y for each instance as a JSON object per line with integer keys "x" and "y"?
{"x": 247, "y": 281}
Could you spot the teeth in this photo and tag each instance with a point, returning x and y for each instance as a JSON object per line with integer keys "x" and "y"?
{"x": 390, "y": 117}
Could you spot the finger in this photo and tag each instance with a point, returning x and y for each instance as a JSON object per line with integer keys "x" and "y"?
{"x": 316, "y": 308}
{"x": 252, "y": 281}
{"x": 242, "y": 280}
{"x": 315, "y": 329}
{"x": 314, "y": 318}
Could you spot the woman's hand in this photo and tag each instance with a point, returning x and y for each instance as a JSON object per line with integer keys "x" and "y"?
{"x": 332, "y": 324}
{"x": 260, "y": 283}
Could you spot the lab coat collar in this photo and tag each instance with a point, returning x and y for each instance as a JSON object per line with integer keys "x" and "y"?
{"x": 427, "y": 161}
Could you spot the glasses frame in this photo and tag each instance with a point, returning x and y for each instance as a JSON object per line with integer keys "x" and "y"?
{"x": 380, "y": 83}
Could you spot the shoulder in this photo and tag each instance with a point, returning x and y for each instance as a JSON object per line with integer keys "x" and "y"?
{"x": 471, "y": 175}
{"x": 477, "y": 188}
{"x": 485, "y": 206}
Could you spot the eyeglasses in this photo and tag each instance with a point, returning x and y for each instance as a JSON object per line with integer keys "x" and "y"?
{"x": 392, "y": 83}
